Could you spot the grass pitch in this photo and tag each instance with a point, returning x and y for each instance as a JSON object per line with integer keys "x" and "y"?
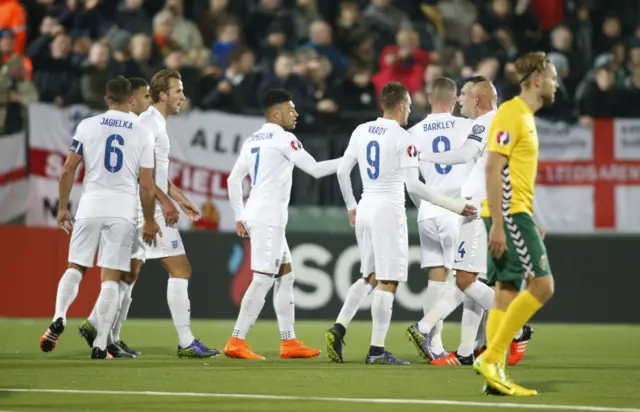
{"x": 574, "y": 367}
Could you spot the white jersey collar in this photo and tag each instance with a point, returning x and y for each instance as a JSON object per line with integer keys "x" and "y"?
{"x": 273, "y": 126}
{"x": 159, "y": 115}
{"x": 390, "y": 121}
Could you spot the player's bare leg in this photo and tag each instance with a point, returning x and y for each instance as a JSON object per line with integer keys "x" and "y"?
{"x": 67, "y": 292}
{"x": 179, "y": 270}
{"x": 381, "y": 310}
{"x": 107, "y": 308}
{"x": 284, "y": 306}
{"x": 356, "y": 294}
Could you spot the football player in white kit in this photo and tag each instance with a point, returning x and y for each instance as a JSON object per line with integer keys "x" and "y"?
{"x": 117, "y": 151}
{"x": 167, "y": 94}
{"x": 438, "y": 228}
{"x": 88, "y": 328}
{"x": 478, "y": 100}
{"x": 387, "y": 161}
{"x": 268, "y": 157}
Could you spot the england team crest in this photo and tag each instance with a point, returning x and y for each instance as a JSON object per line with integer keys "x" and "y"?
{"x": 412, "y": 151}
{"x": 503, "y": 138}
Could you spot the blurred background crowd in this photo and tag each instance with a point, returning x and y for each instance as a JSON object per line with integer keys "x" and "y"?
{"x": 333, "y": 55}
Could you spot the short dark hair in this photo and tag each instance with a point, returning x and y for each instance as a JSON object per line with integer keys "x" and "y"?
{"x": 160, "y": 82}
{"x": 137, "y": 83}
{"x": 391, "y": 94}
{"x": 236, "y": 54}
{"x": 273, "y": 97}
{"x": 118, "y": 90}
{"x": 476, "y": 79}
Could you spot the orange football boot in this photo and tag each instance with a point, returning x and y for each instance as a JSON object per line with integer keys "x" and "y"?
{"x": 453, "y": 359}
{"x": 293, "y": 348}
{"x": 238, "y": 349}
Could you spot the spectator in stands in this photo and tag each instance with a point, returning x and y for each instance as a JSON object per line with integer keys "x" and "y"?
{"x": 82, "y": 17}
{"x": 322, "y": 42}
{"x": 16, "y": 94}
{"x": 14, "y": 18}
{"x": 133, "y": 18}
{"x": 236, "y": 91}
{"x": 633, "y": 80}
{"x": 508, "y": 49}
{"x": 601, "y": 98}
{"x": 610, "y": 34}
{"x": 228, "y": 40}
{"x": 185, "y": 32}
{"x": 481, "y": 45}
{"x": 453, "y": 63}
{"x": 141, "y": 62}
{"x": 326, "y": 90}
{"x": 305, "y": 13}
{"x": 519, "y": 20}
{"x": 562, "y": 42}
{"x": 259, "y": 22}
{"x": 7, "y": 50}
{"x": 285, "y": 77}
{"x": 215, "y": 16}
{"x": 420, "y": 97}
{"x": 563, "y": 108}
{"x": 163, "y": 28}
{"x": 510, "y": 82}
{"x": 350, "y": 27}
{"x": 95, "y": 75}
{"x": 385, "y": 21}
{"x": 404, "y": 62}
{"x": 55, "y": 73}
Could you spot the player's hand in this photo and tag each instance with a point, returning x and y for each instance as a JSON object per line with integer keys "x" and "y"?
{"x": 191, "y": 210}
{"x": 241, "y": 230}
{"x": 352, "y": 217}
{"x": 170, "y": 213}
{"x": 469, "y": 210}
{"x": 497, "y": 241}
{"x": 149, "y": 231}
{"x": 65, "y": 222}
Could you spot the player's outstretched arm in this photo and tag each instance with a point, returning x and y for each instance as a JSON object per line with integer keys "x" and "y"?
{"x": 417, "y": 188}
{"x": 305, "y": 162}
{"x": 66, "y": 184}
{"x": 344, "y": 181}
{"x": 466, "y": 153}
{"x": 187, "y": 206}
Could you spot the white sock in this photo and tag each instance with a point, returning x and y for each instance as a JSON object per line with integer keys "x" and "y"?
{"x": 252, "y": 303}
{"x": 67, "y": 292}
{"x": 284, "y": 305}
{"x": 93, "y": 317}
{"x": 471, "y": 318}
{"x": 481, "y": 293}
{"x": 381, "y": 309}
{"x": 481, "y": 338}
{"x": 180, "y": 307}
{"x": 125, "y": 303}
{"x": 435, "y": 292}
{"x": 356, "y": 294}
{"x": 449, "y": 302}
{"x": 436, "y": 337}
{"x": 107, "y": 308}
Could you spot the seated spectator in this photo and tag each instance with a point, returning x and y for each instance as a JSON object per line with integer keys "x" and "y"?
{"x": 228, "y": 40}
{"x": 601, "y": 98}
{"x": 481, "y": 45}
{"x": 272, "y": 46}
{"x": 633, "y": 80}
{"x": 350, "y": 27}
{"x": 327, "y": 92}
{"x": 133, "y": 18}
{"x": 95, "y": 76}
{"x": 16, "y": 94}
{"x": 420, "y": 98}
{"x": 322, "y": 42}
{"x": 163, "y": 27}
{"x": 236, "y": 91}
{"x": 284, "y": 77}
{"x": 305, "y": 12}
{"x": 185, "y": 32}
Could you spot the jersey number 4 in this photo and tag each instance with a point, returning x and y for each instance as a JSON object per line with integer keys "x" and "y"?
{"x": 112, "y": 153}
{"x": 442, "y": 169}
{"x": 373, "y": 158}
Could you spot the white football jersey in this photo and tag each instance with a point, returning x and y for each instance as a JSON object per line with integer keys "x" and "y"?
{"x": 268, "y": 156}
{"x": 382, "y": 149}
{"x": 157, "y": 124}
{"x": 439, "y": 133}
{"x": 114, "y": 146}
{"x": 475, "y": 185}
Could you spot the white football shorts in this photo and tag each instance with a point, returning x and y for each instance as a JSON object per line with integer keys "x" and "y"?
{"x": 111, "y": 237}
{"x": 269, "y": 248}
{"x": 170, "y": 244}
{"x": 381, "y": 232}
{"x": 471, "y": 249}
{"x": 438, "y": 237}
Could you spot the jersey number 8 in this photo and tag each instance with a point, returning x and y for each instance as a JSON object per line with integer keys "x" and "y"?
{"x": 442, "y": 169}
{"x": 373, "y": 158}
{"x": 113, "y": 150}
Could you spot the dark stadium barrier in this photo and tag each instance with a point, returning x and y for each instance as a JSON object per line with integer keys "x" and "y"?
{"x": 593, "y": 281}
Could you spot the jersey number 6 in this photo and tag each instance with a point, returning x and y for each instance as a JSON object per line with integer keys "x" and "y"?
{"x": 113, "y": 150}
{"x": 373, "y": 158}
{"x": 436, "y": 149}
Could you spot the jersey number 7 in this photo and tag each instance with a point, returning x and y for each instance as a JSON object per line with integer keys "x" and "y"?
{"x": 255, "y": 150}
{"x": 373, "y": 158}
{"x": 436, "y": 149}
{"x": 116, "y": 151}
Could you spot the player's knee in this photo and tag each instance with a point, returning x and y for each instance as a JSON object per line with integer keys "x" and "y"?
{"x": 437, "y": 274}
{"x": 464, "y": 280}
{"x": 129, "y": 277}
{"x": 371, "y": 279}
{"x": 180, "y": 268}
{"x": 542, "y": 288}
{"x": 388, "y": 285}
{"x": 285, "y": 269}
{"x": 81, "y": 269}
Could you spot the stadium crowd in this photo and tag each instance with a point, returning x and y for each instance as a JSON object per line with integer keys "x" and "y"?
{"x": 333, "y": 55}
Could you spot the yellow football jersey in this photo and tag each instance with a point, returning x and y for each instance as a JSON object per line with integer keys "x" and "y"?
{"x": 513, "y": 134}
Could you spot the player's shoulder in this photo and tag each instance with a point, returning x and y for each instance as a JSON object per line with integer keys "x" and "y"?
{"x": 149, "y": 120}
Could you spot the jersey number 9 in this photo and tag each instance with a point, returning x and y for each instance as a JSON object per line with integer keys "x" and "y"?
{"x": 442, "y": 169}
{"x": 373, "y": 158}
{"x": 115, "y": 151}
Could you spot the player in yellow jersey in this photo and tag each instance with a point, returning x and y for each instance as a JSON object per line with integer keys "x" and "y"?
{"x": 516, "y": 251}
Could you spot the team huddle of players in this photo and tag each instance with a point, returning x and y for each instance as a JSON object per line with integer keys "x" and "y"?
{"x": 475, "y": 219}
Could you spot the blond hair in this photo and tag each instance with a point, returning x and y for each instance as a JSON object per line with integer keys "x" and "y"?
{"x": 160, "y": 83}
{"x": 530, "y": 63}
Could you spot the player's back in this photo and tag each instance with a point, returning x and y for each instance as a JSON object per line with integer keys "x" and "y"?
{"x": 157, "y": 124}
{"x": 375, "y": 145}
{"x": 438, "y": 133}
{"x": 475, "y": 185}
{"x": 111, "y": 145}
{"x": 267, "y": 152}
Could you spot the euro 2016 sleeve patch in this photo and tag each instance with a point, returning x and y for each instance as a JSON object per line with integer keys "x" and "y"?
{"x": 503, "y": 138}
{"x": 296, "y": 145}
{"x": 412, "y": 151}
